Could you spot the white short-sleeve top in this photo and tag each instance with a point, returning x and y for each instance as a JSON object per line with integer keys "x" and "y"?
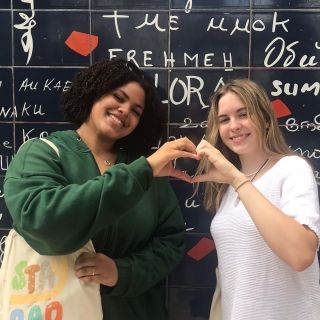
{"x": 255, "y": 283}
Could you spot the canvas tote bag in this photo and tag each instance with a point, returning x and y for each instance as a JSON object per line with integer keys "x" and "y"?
{"x": 39, "y": 287}
{"x": 215, "y": 311}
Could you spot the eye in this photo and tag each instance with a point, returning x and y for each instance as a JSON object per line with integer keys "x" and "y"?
{"x": 119, "y": 97}
{"x": 243, "y": 114}
{"x": 137, "y": 112}
{"x": 222, "y": 120}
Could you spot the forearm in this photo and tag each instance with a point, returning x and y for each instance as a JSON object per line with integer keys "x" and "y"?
{"x": 140, "y": 272}
{"x": 45, "y": 207}
{"x": 287, "y": 238}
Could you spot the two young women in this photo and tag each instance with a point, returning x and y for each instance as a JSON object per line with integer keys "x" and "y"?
{"x": 105, "y": 186}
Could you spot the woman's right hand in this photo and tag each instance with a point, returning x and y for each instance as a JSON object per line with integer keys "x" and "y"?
{"x": 161, "y": 160}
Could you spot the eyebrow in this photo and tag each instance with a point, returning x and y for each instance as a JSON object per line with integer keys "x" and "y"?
{"x": 127, "y": 97}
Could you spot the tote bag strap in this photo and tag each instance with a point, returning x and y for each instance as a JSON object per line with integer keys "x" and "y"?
{"x": 52, "y": 145}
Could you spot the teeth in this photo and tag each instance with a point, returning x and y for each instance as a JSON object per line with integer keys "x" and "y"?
{"x": 117, "y": 120}
{"x": 237, "y": 137}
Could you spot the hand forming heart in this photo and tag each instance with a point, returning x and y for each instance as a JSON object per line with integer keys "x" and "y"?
{"x": 221, "y": 171}
{"x": 161, "y": 160}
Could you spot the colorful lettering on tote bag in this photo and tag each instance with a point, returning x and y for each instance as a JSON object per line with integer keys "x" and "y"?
{"x": 34, "y": 283}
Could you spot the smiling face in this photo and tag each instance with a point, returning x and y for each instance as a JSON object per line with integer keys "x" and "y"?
{"x": 118, "y": 113}
{"x": 236, "y": 129}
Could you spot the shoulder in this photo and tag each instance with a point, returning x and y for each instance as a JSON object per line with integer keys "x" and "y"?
{"x": 290, "y": 170}
{"x": 40, "y": 148}
{"x": 30, "y": 157}
{"x": 54, "y": 137}
{"x": 63, "y": 138}
{"x": 294, "y": 172}
{"x": 293, "y": 165}
{"x": 29, "y": 146}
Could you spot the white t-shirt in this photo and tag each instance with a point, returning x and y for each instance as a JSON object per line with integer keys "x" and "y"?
{"x": 255, "y": 283}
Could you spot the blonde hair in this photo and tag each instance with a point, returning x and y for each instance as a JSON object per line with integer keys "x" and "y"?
{"x": 260, "y": 111}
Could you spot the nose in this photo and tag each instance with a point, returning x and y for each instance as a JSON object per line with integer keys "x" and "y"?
{"x": 124, "y": 108}
{"x": 235, "y": 124}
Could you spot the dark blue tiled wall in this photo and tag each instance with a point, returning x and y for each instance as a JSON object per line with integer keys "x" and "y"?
{"x": 189, "y": 48}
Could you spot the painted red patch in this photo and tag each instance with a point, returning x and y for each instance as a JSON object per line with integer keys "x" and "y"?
{"x": 280, "y": 108}
{"x": 201, "y": 249}
{"x": 82, "y": 43}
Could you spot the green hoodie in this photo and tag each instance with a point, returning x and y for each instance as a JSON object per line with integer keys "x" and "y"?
{"x": 58, "y": 203}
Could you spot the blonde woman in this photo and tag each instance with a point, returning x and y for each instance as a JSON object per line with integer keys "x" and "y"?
{"x": 266, "y": 225}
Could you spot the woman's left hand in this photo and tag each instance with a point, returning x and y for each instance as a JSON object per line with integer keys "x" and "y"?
{"x": 161, "y": 160}
{"x": 97, "y": 268}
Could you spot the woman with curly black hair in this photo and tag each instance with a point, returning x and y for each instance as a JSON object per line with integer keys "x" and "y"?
{"x": 104, "y": 185}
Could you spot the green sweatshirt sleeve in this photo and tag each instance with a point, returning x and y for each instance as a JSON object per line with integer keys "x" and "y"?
{"x": 56, "y": 217}
{"x": 142, "y": 270}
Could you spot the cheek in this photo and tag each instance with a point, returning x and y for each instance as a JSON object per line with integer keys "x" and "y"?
{"x": 224, "y": 135}
{"x": 134, "y": 122}
{"x": 222, "y": 131}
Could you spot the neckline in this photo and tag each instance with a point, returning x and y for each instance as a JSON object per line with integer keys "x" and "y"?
{"x": 237, "y": 199}
{"x": 254, "y": 174}
{"x": 272, "y": 168}
{"x": 80, "y": 140}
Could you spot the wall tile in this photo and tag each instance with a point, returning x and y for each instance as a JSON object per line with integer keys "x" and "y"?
{"x": 285, "y": 4}
{"x": 51, "y": 4}
{"x": 205, "y": 37}
{"x": 43, "y": 43}
{"x": 128, "y": 4}
{"x": 6, "y": 95}
{"x": 197, "y": 269}
{"x": 205, "y": 4}
{"x": 189, "y": 303}
{"x": 38, "y": 93}
{"x": 6, "y": 40}
{"x": 285, "y": 39}
{"x": 127, "y": 35}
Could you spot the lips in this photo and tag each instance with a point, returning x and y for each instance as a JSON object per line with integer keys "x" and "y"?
{"x": 120, "y": 122}
{"x": 239, "y": 137}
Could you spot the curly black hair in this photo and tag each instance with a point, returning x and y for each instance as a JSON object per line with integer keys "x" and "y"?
{"x": 103, "y": 77}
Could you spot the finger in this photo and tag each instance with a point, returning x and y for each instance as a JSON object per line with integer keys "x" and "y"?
{"x": 203, "y": 153}
{"x": 87, "y": 272}
{"x": 87, "y": 279}
{"x": 186, "y": 144}
{"x": 175, "y": 173}
{"x": 206, "y": 146}
{"x": 84, "y": 262}
{"x": 91, "y": 279}
{"x": 201, "y": 178}
{"x": 203, "y": 143}
{"x": 175, "y": 154}
{"x": 211, "y": 154}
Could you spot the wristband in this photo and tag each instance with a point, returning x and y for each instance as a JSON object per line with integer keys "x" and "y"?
{"x": 241, "y": 184}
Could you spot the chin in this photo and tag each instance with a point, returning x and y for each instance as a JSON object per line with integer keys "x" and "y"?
{"x": 238, "y": 151}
